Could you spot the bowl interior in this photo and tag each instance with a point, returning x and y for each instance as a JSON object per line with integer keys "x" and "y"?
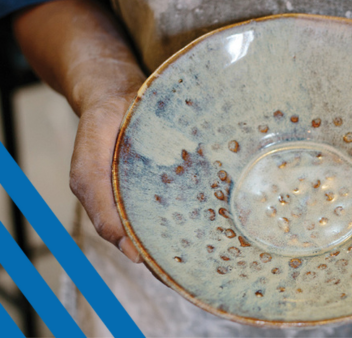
{"x": 232, "y": 171}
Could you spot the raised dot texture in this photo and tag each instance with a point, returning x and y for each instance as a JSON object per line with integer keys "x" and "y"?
{"x": 265, "y": 257}
{"x": 230, "y": 233}
{"x": 275, "y": 271}
{"x": 337, "y": 121}
{"x": 234, "y": 146}
{"x": 294, "y": 118}
{"x": 234, "y": 251}
{"x": 259, "y": 294}
{"x": 348, "y": 137}
{"x": 263, "y": 128}
{"x": 243, "y": 242}
{"x": 295, "y": 263}
{"x": 224, "y": 213}
{"x": 210, "y": 248}
{"x": 222, "y": 174}
{"x": 219, "y": 195}
{"x": 278, "y": 114}
{"x": 316, "y": 123}
{"x": 221, "y": 270}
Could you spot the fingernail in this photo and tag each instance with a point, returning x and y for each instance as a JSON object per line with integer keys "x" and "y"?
{"x": 126, "y": 246}
{"x": 138, "y": 259}
{"x": 119, "y": 245}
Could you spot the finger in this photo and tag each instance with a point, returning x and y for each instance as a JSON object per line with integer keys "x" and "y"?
{"x": 90, "y": 176}
{"x": 127, "y": 247}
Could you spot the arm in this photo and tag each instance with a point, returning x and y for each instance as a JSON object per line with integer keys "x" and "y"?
{"x": 78, "y": 49}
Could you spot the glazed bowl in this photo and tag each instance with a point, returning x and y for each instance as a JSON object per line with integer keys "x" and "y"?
{"x": 232, "y": 171}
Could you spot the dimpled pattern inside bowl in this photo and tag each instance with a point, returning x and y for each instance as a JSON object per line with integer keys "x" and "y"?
{"x": 233, "y": 171}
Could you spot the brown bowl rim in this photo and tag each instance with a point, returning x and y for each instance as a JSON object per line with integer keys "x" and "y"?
{"x": 148, "y": 259}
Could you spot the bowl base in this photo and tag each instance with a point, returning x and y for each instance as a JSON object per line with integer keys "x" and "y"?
{"x": 294, "y": 199}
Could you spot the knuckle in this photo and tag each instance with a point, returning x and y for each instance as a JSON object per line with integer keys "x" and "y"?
{"x": 107, "y": 232}
{"x": 104, "y": 231}
{"x": 101, "y": 230}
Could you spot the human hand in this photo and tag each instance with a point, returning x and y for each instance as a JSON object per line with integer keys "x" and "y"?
{"x": 90, "y": 177}
{"x": 81, "y": 53}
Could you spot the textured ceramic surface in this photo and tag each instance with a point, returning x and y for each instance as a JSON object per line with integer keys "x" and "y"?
{"x": 232, "y": 171}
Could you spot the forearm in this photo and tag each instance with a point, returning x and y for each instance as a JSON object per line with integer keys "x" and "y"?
{"x": 78, "y": 49}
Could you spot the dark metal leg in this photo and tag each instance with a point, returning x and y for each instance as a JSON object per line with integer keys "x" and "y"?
{"x": 17, "y": 217}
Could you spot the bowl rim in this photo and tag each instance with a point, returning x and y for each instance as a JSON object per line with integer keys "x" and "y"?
{"x": 148, "y": 259}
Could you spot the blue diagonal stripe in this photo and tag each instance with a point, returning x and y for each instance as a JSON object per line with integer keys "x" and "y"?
{"x": 65, "y": 250}
{"x": 34, "y": 288}
{"x": 8, "y": 328}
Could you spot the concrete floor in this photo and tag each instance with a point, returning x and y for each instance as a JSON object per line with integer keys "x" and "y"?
{"x": 46, "y": 128}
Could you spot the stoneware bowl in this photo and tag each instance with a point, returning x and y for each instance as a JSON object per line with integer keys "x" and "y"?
{"x": 232, "y": 171}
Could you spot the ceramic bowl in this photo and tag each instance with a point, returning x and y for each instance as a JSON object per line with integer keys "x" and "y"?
{"x": 232, "y": 171}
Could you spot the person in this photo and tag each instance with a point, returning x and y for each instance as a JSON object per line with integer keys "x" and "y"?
{"x": 98, "y": 57}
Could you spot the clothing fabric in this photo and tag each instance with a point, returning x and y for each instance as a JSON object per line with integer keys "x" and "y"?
{"x": 10, "y": 6}
{"x": 159, "y": 28}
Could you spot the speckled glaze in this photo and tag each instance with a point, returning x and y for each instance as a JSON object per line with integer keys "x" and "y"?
{"x": 232, "y": 171}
